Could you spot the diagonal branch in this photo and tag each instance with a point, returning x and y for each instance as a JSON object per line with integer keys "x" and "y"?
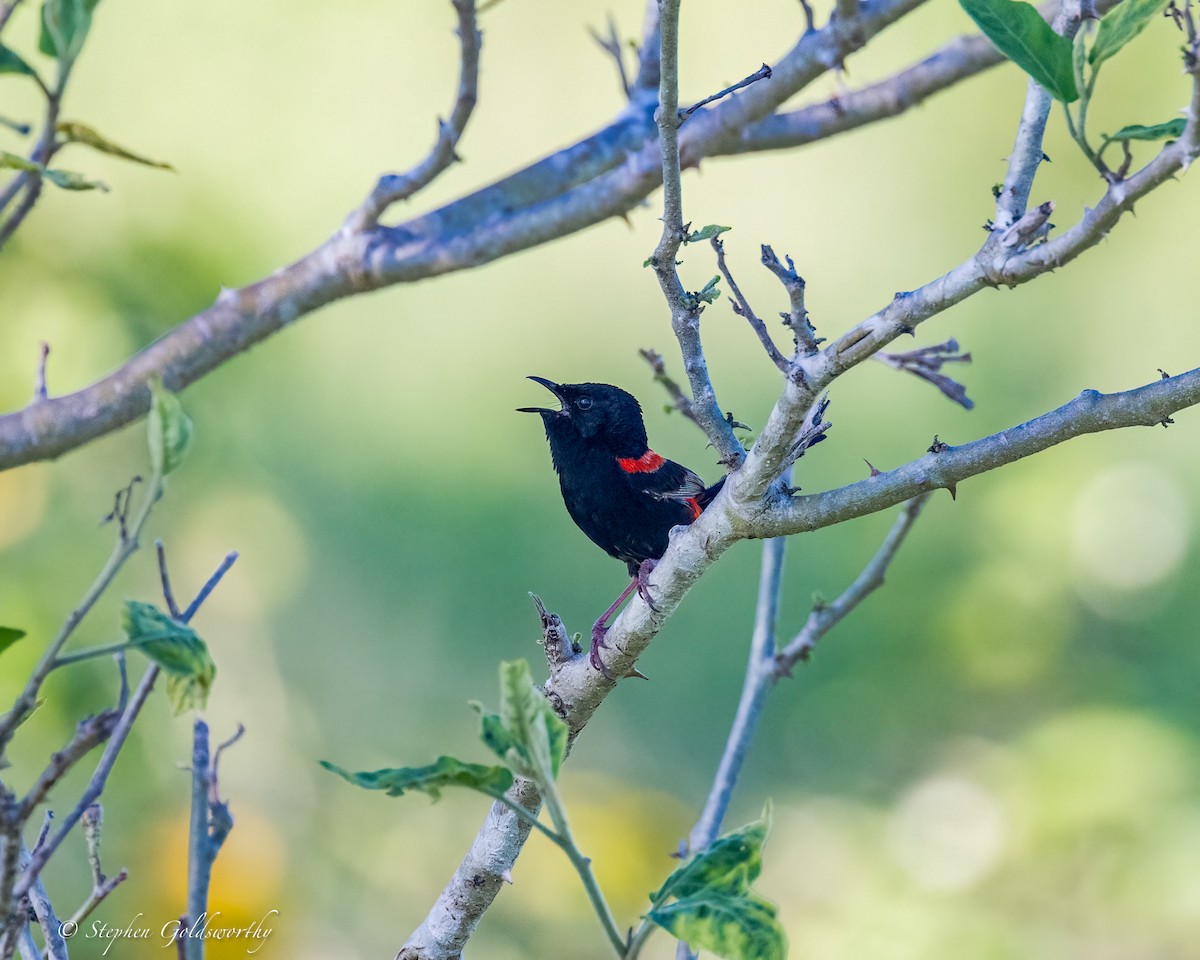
{"x": 605, "y": 175}
{"x": 827, "y": 616}
{"x": 1090, "y": 412}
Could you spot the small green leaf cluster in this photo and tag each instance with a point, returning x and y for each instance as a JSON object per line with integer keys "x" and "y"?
{"x": 64, "y": 27}
{"x": 1069, "y": 70}
{"x": 708, "y": 901}
{"x": 525, "y": 734}
{"x": 177, "y": 649}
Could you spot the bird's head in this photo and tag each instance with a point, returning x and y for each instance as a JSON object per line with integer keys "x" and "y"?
{"x": 598, "y": 413}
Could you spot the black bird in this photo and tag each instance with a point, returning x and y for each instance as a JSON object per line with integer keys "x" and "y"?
{"x": 622, "y": 494}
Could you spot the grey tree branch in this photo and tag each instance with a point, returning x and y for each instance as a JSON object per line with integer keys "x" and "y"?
{"x": 685, "y": 307}
{"x": 824, "y": 618}
{"x": 393, "y": 187}
{"x": 753, "y": 504}
{"x": 605, "y": 175}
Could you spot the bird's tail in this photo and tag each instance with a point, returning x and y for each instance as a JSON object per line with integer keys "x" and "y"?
{"x": 710, "y": 493}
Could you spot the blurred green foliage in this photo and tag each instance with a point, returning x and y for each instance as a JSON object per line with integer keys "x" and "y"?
{"x": 996, "y": 757}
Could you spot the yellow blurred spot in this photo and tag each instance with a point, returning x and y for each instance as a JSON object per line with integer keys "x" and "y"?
{"x": 1131, "y": 527}
{"x": 1007, "y": 624}
{"x": 948, "y": 833}
{"x": 23, "y": 497}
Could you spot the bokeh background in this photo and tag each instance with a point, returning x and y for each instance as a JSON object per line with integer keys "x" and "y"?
{"x": 997, "y": 757}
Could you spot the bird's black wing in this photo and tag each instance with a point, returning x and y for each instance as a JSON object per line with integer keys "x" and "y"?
{"x": 670, "y": 481}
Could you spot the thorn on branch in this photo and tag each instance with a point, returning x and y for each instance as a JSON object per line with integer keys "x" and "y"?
{"x": 927, "y": 362}
{"x": 736, "y": 424}
{"x": 39, "y": 380}
{"x": 874, "y": 472}
{"x": 762, "y": 73}
{"x": 937, "y": 446}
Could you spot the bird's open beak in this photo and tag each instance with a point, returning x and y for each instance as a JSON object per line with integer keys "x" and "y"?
{"x": 549, "y": 385}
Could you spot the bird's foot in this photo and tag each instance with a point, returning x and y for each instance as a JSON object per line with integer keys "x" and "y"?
{"x": 599, "y": 630}
{"x": 642, "y": 579}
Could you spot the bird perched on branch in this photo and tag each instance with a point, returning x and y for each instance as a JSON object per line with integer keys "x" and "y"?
{"x": 619, "y": 492}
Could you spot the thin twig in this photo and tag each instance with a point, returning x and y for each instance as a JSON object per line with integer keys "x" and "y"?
{"x": 116, "y": 742}
{"x": 685, "y": 307}
{"x": 165, "y": 577}
{"x": 125, "y": 546}
{"x": 611, "y": 44}
{"x": 394, "y": 187}
{"x": 742, "y": 308}
{"x": 826, "y": 617}
{"x": 762, "y": 73}
{"x": 39, "y": 381}
{"x": 796, "y": 319}
{"x": 679, "y": 400}
{"x": 52, "y": 932}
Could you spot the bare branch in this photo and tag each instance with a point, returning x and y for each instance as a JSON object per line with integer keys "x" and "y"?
{"x": 762, "y": 73}
{"x": 824, "y": 618}
{"x": 759, "y": 676}
{"x": 796, "y": 319}
{"x": 39, "y": 381}
{"x": 611, "y": 44}
{"x": 394, "y": 187}
{"x": 165, "y": 577}
{"x": 52, "y": 936}
{"x": 927, "y": 362}
{"x": 89, "y": 733}
{"x": 646, "y": 82}
{"x": 679, "y": 399}
{"x": 685, "y": 307}
{"x": 116, "y": 742}
{"x": 1090, "y": 412}
{"x": 742, "y": 308}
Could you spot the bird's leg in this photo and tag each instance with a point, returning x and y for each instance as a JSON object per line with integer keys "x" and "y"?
{"x": 642, "y": 582}
{"x": 600, "y": 628}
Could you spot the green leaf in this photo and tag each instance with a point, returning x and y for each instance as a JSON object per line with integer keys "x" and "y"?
{"x": 728, "y": 866}
{"x": 60, "y": 178}
{"x": 537, "y": 733}
{"x": 9, "y": 636}
{"x": 739, "y": 928}
{"x": 72, "y": 132}
{"x": 10, "y": 161}
{"x": 168, "y": 429}
{"x": 1019, "y": 32}
{"x": 175, "y": 647}
{"x": 68, "y": 180}
{"x": 1122, "y": 24}
{"x": 445, "y": 772}
{"x": 706, "y": 233}
{"x": 710, "y": 292}
{"x": 65, "y": 25}
{"x": 1171, "y": 130}
{"x": 11, "y": 62}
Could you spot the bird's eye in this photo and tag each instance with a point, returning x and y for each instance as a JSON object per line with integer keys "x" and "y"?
{"x": 584, "y": 403}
